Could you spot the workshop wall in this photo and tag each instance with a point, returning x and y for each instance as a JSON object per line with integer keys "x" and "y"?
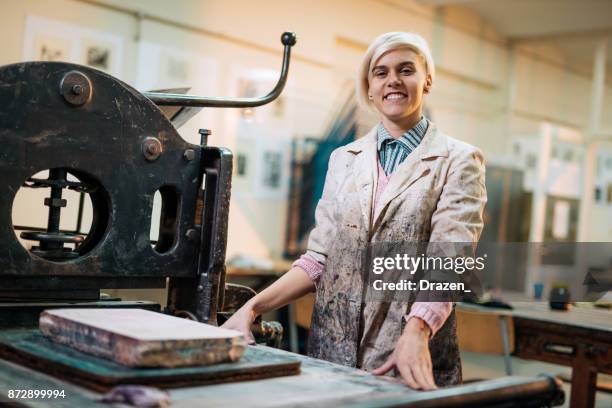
{"x": 486, "y": 91}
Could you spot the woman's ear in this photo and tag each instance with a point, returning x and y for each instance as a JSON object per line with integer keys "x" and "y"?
{"x": 428, "y": 83}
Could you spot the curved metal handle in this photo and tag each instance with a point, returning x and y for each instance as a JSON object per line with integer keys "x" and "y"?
{"x": 165, "y": 99}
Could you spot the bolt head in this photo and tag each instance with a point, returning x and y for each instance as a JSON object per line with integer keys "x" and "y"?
{"x": 76, "y": 88}
{"x": 151, "y": 148}
{"x": 191, "y": 234}
{"x": 189, "y": 154}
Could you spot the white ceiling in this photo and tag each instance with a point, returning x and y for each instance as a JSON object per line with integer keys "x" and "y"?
{"x": 574, "y": 26}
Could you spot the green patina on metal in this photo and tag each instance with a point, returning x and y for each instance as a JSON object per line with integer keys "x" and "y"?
{"x": 31, "y": 348}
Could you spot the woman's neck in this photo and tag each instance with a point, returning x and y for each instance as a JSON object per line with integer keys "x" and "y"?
{"x": 397, "y": 128}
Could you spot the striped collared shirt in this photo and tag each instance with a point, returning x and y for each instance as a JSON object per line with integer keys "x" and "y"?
{"x": 392, "y": 152}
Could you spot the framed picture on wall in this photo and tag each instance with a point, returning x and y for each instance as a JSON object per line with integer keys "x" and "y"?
{"x": 241, "y": 164}
{"x": 47, "y": 39}
{"x": 262, "y": 161}
{"x": 51, "y": 48}
{"x": 272, "y": 171}
{"x": 98, "y": 54}
{"x": 271, "y": 178}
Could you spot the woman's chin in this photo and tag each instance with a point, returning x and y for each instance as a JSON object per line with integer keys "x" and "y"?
{"x": 396, "y": 116}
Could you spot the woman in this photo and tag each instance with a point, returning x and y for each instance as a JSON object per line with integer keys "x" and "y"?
{"x": 403, "y": 181}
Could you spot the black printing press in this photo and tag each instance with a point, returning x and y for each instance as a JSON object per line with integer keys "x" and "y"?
{"x": 100, "y": 138}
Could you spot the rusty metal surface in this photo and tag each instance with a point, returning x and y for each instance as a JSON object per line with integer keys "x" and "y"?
{"x": 99, "y": 141}
{"x": 271, "y": 333}
{"x": 236, "y": 296}
{"x": 203, "y": 293}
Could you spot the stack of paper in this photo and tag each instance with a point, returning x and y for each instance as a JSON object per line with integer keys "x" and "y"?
{"x": 140, "y": 338}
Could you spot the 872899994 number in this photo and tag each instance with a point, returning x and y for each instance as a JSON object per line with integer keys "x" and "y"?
{"x": 35, "y": 394}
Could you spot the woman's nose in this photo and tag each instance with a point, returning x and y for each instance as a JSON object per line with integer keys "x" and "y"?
{"x": 393, "y": 79}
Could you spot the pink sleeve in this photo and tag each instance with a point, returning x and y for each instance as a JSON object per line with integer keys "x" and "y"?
{"x": 313, "y": 268}
{"x": 432, "y": 313}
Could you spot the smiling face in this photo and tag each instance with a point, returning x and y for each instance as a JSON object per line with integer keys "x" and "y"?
{"x": 397, "y": 82}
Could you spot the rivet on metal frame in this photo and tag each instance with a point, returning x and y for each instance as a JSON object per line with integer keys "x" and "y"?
{"x": 76, "y": 88}
{"x": 151, "y": 148}
{"x": 189, "y": 154}
{"x": 192, "y": 234}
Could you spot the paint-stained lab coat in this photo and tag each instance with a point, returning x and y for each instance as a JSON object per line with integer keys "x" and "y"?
{"x": 436, "y": 195}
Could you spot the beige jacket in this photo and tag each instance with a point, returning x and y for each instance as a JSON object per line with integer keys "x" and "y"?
{"x": 436, "y": 195}
{"x": 439, "y": 188}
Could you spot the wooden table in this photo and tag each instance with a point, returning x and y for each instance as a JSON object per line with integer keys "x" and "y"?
{"x": 320, "y": 383}
{"x": 580, "y": 338}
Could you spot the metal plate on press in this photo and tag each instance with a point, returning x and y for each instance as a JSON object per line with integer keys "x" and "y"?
{"x": 32, "y": 349}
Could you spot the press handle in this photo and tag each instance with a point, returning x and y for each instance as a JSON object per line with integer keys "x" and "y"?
{"x": 168, "y": 99}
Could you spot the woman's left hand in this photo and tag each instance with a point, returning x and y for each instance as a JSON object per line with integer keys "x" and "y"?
{"x": 411, "y": 357}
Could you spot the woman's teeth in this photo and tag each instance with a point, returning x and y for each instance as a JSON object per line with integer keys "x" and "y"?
{"x": 394, "y": 96}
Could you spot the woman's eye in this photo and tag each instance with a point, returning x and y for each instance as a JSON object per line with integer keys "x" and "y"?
{"x": 406, "y": 71}
{"x": 379, "y": 74}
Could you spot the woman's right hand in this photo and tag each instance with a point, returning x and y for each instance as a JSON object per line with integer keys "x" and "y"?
{"x": 284, "y": 290}
{"x": 241, "y": 321}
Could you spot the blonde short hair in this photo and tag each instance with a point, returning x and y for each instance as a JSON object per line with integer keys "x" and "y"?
{"x": 383, "y": 44}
